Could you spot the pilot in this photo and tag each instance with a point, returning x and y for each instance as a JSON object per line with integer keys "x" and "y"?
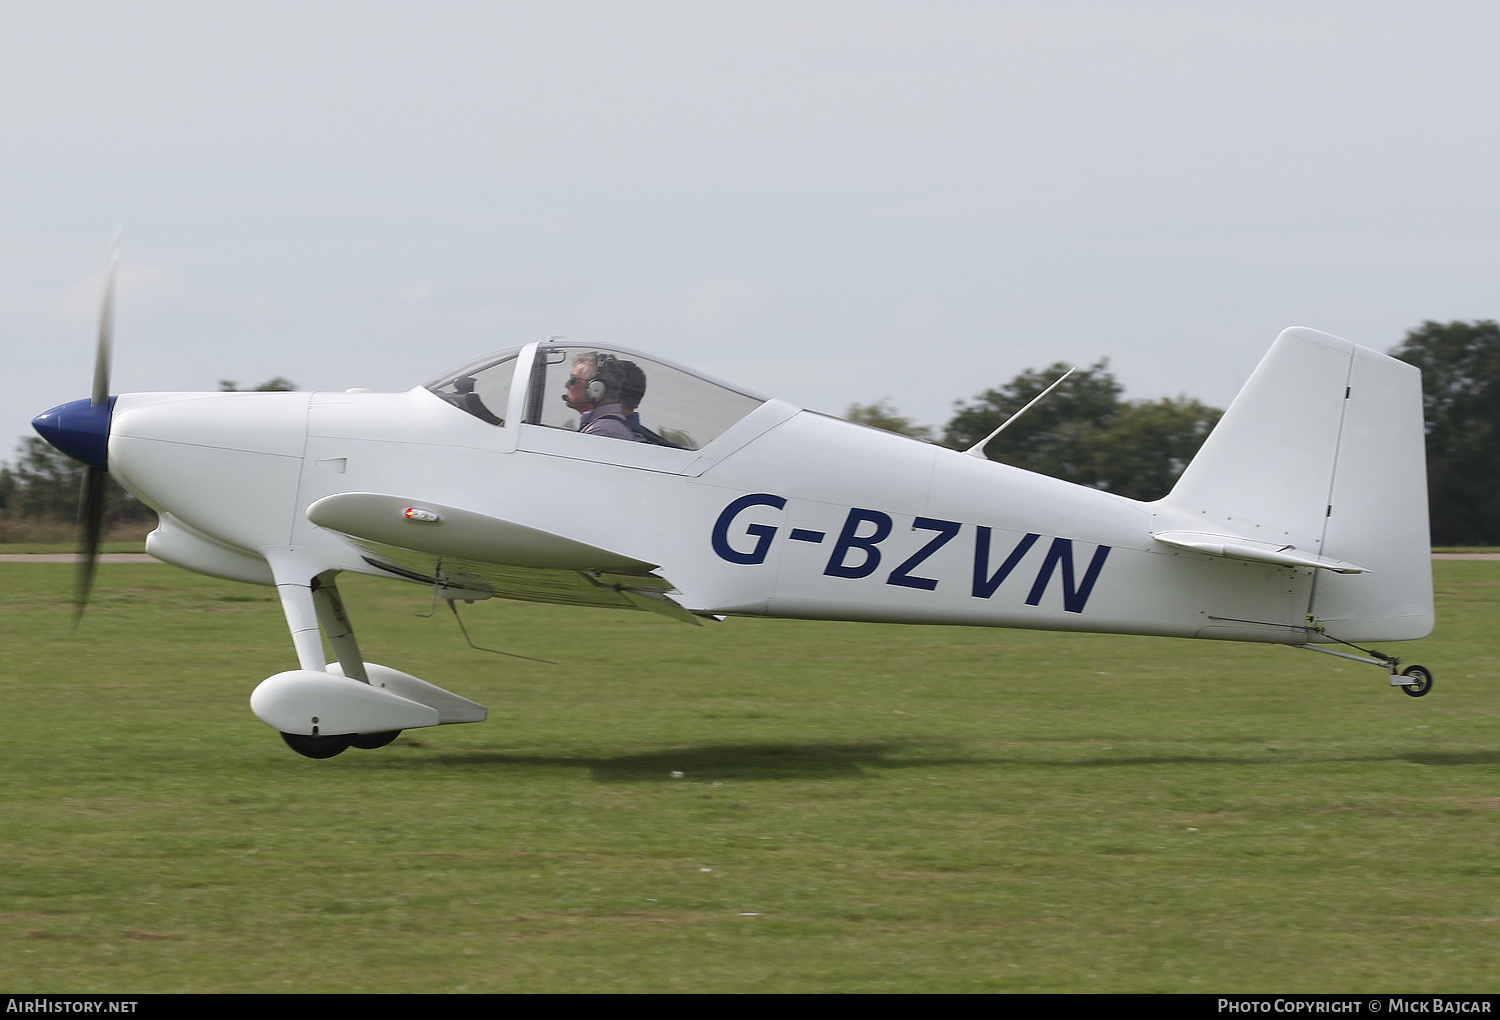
{"x": 593, "y": 390}
{"x": 632, "y": 391}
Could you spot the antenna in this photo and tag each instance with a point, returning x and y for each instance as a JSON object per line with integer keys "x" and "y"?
{"x": 977, "y": 450}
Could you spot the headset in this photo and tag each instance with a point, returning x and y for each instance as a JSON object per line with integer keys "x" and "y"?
{"x": 604, "y": 388}
{"x": 606, "y": 385}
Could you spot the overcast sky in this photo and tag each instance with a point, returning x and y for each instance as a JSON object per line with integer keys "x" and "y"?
{"x": 824, "y": 201}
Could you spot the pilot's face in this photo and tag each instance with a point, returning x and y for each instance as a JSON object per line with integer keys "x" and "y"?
{"x": 575, "y": 392}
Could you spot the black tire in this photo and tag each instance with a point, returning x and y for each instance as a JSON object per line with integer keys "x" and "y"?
{"x": 370, "y": 741}
{"x": 1421, "y": 678}
{"x": 316, "y": 747}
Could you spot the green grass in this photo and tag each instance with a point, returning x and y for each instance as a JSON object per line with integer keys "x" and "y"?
{"x": 862, "y": 807}
{"x": 129, "y": 546}
{"x": 22, "y": 535}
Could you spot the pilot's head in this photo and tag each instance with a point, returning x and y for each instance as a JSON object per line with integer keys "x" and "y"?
{"x": 632, "y": 385}
{"x": 595, "y": 380}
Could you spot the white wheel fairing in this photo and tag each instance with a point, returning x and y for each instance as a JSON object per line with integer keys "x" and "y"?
{"x": 307, "y": 702}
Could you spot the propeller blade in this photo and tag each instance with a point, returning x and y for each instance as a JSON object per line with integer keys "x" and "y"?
{"x": 91, "y": 499}
{"x": 104, "y": 350}
{"x": 90, "y": 527}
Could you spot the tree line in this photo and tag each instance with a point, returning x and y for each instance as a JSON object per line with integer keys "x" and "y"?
{"x": 1084, "y": 432}
{"x": 43, "y": 484}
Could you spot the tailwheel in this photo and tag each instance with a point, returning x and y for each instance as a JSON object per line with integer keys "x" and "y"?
{"x": 370, "y": 741}
{"x": 318, "y": 747}
{"x": 1420, "y": 680}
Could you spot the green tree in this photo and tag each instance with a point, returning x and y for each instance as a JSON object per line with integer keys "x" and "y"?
{"x": 277, "y": 384}
{"x": 1149, "y": 442}
{"x": 45, "y": 481}
{"x": 882, "y": 415}
{"x": 1460, "y": 363}
{"x": 1058, "y": 436}
{"x": 1084, "y": 432}
{"x": 44, "y": 484}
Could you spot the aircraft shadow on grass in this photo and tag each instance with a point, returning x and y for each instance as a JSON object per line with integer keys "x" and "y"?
{"x": 1414, "y": 757}
{"x": 773, "y": 761}
{"x": 720, "y": 761}
{"x": 1447, "y": 758}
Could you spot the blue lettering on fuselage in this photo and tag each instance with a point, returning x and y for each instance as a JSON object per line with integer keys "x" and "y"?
{"x": 850, "y": 540}
{"x": 762, "y": 533}
{"x": 902, "y": 574}
{"x": 856, "y": 552}
{"x": 984, "y": 586}
{"x": 1074, "y": 598}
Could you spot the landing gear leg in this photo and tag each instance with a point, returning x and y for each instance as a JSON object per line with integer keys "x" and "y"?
{"x": 313, "y": 607}
{"x": 323, "y": 709}
{"x": 1415, "y": 680}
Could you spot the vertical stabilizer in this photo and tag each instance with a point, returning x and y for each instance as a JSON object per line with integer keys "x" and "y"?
{"x": 1323, "y": 452}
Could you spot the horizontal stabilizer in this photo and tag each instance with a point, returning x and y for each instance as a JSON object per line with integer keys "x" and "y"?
{"x": 1235, "y": 548}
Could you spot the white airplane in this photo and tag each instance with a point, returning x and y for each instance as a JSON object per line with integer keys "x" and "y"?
{"x": 1302, "y": 521}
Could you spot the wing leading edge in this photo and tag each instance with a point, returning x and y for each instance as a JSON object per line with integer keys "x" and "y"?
{"x": 471, "y": 555}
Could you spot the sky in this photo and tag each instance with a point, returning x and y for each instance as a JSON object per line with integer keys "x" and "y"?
{"x": 826, "y": 201}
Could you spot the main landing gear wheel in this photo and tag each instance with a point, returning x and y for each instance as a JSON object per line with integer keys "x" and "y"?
{"x": 370, "y": 741}
{"x": 318, "y": 747}
{"x": 1421, "y": 680}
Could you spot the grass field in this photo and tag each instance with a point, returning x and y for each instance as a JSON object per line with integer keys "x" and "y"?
{"x": 861, "y": 807}
{"x": 18, "y": 535}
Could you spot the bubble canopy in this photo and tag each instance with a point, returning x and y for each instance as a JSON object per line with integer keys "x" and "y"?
{"x": 684, "y": 408}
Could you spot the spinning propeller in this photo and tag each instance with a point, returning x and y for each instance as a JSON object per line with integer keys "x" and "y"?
{"x": 81, "y": 430}
{"x": 91, "y": 499}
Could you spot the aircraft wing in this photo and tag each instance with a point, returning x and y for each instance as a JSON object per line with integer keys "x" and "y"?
{"x": 469, "y": 555}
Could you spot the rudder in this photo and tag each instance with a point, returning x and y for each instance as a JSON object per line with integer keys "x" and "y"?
{"x": 1323, "y": 452}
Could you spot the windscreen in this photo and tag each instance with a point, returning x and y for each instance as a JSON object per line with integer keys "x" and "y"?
{"x": 678, "y": 407}
{"x": 482, "y": 387}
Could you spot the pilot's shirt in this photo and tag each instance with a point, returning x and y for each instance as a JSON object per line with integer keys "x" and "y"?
{"x": 606, "y": 420}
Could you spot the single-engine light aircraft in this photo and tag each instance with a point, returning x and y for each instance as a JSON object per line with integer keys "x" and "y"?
{"x": 1302, "y": 521}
